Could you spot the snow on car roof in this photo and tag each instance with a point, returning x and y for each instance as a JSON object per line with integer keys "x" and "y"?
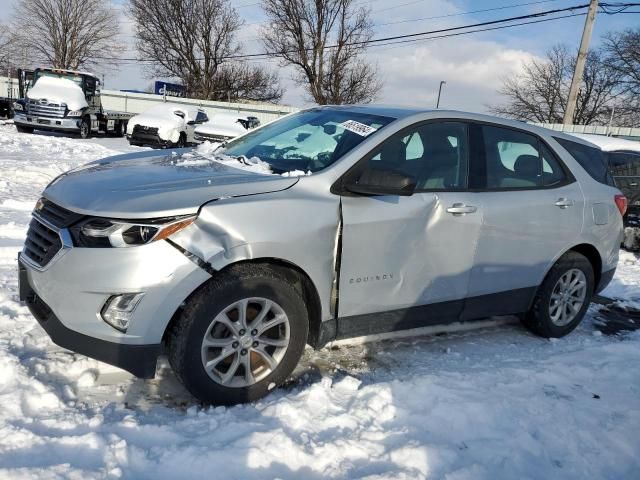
{"x": 169, "y": 108}
{"x": 609, "y": 144}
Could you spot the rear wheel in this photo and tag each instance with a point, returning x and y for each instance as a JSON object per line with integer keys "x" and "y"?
{"x": 121, "y": 129}
{"x": 240, "y": 335}
{"x": 22, "y": 129}
{"x": 563, "y": 297}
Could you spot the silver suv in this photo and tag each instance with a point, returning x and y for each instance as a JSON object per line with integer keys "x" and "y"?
{"x": 330, "y": 223}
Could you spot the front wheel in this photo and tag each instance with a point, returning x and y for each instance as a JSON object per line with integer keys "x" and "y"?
{"x": 563, "y": 297}
{"x": 182, "y": 141}
{"x": 240, "y": 335}
{"x": 85, "y": 128}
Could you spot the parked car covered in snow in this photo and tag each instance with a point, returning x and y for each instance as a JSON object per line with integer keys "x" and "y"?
{"x": 406, "y": 218}
{"x": 166, "y": 125}
{"x": 623, "y": 159}
{"x": 224, "y": 126}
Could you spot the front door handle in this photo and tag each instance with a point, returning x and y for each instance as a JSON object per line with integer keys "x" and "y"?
{"x": 564, "y": 203}
{"x": 461, "y": 209}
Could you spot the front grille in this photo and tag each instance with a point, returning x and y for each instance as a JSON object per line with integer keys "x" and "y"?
{"x": 47, "y": 109}
{"x": 55, "y": 214}
{"x": 42, "y": 243}
{"x": 142, "y": 130}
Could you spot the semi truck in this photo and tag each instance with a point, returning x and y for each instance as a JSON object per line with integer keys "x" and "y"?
{"x": 65, "y": 101}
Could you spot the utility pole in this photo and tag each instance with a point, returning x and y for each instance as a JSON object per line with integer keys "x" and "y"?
{"x": 442, "y": 82}
{"x": 580, "y": 61}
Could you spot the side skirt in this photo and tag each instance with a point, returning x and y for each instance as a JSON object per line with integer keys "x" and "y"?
{"x": 474, "y": 308}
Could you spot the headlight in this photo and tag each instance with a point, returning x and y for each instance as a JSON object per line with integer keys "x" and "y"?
{"x": 102, "y": 232}
{"x": 17, "y": 107}
{"x": 75, "y": 113}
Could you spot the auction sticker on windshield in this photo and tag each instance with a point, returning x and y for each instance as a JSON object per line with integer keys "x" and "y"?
{"x": 357, "y": 127}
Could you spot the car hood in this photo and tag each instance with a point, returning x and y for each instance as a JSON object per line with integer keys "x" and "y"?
{"x": 149, "y": 185}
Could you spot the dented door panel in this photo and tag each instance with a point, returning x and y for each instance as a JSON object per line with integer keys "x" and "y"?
{"x": 399, "y": 252}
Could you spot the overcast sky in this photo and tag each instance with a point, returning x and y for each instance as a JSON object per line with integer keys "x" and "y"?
{"x": 472, "y": 65}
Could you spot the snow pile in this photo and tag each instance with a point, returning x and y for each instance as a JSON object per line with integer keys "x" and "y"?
{"x": 169, "y": 118}
{"x": 58, "y": 90}
{"x": 474, "y": 405}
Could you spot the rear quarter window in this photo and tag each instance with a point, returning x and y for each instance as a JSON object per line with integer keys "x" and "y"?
{"x": 592, "y": 159}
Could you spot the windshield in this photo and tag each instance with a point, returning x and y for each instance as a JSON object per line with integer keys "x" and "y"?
{"x": 77, "y": 79}
{"x": 307, "y": 141}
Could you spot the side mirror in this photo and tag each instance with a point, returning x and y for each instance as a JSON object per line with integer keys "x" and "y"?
{"x": 373, "y": 181}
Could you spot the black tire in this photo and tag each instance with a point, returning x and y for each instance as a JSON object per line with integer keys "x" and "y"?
{"x": 85, "y": 128}
{"x": 22, "y": 129}
{"x": 182, "y": 141}
{"x": 538, "y": 319}
{"x": 121, "y": 129}
{"x": 185, "y": 336}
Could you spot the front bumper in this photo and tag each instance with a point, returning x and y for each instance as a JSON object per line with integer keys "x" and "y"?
{"x": 68, "y": 294}
{"x": 139, "y": 360}
{"x": 46, "y": 123}
{"x": 150, "y": 139}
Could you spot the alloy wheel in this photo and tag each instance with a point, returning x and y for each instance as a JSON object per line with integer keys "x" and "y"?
{"x": 567, "y": 297}
{"x": 245, "y": 342}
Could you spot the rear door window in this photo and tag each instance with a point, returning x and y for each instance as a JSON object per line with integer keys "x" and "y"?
{"x": 592, "y": 159}
{"x": 624, "y": 164}
{"x": 518, "y": 160}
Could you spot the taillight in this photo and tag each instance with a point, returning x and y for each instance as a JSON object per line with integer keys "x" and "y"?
{"x": 621, "y": 203}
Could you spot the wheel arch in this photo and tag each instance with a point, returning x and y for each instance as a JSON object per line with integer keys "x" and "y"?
{"x": 593, "y": 255}
{"x": 590, "y": 252}
{"x": 296, "y": 274}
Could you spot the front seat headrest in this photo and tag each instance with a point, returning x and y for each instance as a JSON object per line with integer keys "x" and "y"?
{"x": 527, "y": 166}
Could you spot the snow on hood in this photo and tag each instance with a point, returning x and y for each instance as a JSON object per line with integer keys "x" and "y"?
{"x": 222, "y": 124}
{"x": 211, "y": 152}
{"x": 58, "y": 90}
{"x": 164, "y": 118}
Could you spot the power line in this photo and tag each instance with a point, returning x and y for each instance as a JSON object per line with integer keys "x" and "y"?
{"x": 435, "y": 17}
{"x": 445, "y": 31}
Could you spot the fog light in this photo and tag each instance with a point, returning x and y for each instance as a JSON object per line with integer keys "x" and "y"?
{"x": 118, "y": 309}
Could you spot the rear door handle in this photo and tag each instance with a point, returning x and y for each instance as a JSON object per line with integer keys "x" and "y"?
{"x": 564, "y": 203}
{"x": 461, "y": 209}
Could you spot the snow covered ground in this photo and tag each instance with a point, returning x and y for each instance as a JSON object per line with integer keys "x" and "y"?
{"x": 494, "y": 402}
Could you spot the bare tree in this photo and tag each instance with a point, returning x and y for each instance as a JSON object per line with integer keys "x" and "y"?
{"x": 66, "y": 33}
{"x": 539, "y": 93}
{"x": 193, "y": 40}
{"x": 622, "y": 50}
{"x": 324, "y": 40}
{"x": 239, "y": 80}
{"x": 623, "y": 55}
